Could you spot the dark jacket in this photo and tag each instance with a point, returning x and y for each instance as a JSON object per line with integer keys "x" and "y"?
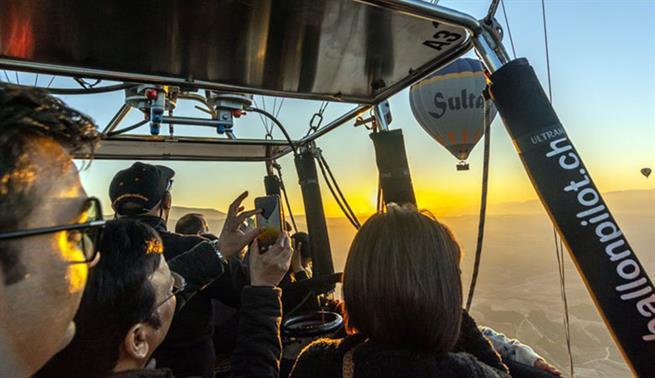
{"x": 294, "y": 300}
{"x": 199, "y": 266}
{"x": 188, "y": 347}
{"x": 473, "y": 356}
{"x": 258, "y": 349}
{"x": 144, "y": 373}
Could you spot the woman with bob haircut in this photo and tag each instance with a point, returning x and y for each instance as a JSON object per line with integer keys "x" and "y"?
{"x": 403, "y": 299}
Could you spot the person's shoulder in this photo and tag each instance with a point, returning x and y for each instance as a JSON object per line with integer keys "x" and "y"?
{"x": 176, "y": 243}
{"x": 321, "y": 358}
{"x": 466, "y": 365}
{"x": 323, "y": 346}
{"x": 193, "y": 239}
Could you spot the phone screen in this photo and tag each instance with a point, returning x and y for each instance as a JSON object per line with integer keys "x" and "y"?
{"x": 270, "y": 221}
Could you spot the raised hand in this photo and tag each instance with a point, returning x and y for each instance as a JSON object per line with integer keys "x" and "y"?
{"x": 268, "y": 268}
{"x": 232, "y": 238}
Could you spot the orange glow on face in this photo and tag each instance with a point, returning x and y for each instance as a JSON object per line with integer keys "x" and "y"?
{"x": 76, "y": 274}
{"x": 18, "y": 38}
{"x": 71, "y": 192}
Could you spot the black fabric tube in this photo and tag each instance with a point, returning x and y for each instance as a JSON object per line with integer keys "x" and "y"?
{"x": 620, "y": 287}
{"x": 316, "y": 225}
{"x": 393, "y": 168}
{"x": 272, "y": 185}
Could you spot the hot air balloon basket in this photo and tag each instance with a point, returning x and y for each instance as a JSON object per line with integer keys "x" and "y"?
{"x": 462, "y": 166}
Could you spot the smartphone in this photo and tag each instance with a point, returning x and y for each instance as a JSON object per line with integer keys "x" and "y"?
{"x": 270, "y": 221}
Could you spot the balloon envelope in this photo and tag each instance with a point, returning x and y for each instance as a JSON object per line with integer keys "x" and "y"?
{"x": 646, "y": 171}
{"x": 450, "y": 107}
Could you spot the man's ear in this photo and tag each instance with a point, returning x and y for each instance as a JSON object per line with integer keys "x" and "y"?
{"x": 167, "y": 202}
{"x": 136, "y": 343}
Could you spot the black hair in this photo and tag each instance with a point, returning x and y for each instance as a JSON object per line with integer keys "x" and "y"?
{"x": 117, "y": 296}
{"x": 191, "y": 224}
{"x": 26, "y": 114}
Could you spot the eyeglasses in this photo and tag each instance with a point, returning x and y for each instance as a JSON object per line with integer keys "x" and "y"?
{"x": 179, "y": 284}
{"x": 87, "y": 234}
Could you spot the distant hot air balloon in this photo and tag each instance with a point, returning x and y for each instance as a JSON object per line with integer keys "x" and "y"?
{"x": 450, "y": 107}
{"x": 646, "y": 171}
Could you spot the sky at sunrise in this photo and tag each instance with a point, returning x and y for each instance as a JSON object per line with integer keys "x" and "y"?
{"x": 602, "y": 56}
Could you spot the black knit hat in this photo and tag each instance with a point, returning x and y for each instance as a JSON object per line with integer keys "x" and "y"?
{"x": 142, "y": 186}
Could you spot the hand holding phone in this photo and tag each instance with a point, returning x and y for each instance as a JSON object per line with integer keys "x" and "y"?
{"x": 268, "y": 269}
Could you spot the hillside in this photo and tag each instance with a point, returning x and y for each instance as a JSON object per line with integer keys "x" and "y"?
{"x": 211, "y": 214}
{"x": 518, "y": 291}
{"x": 214, "y": 217}
{"x": 625, "y": 202}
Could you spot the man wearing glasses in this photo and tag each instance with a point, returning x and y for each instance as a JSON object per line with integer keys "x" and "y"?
{"x": 48, "y": 227}
{"x": 136, "y": 293}
{"x": 50, "y": 230}
{"x": 143, "y": 192}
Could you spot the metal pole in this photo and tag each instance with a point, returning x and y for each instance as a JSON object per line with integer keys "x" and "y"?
{"x": 118, "y": 117}
{"x": 270, "y": 170}
{"x": 429, "y": 11}
{"x": 492, "y": 59}
{"x": 380, "y": 117}
{"x": 191, "y": 121}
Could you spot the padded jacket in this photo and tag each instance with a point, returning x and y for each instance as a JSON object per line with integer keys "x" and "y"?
{"x": 472, "y": 356}
{"x": 193, "y": 324}
{"x": 188, "y": 347}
